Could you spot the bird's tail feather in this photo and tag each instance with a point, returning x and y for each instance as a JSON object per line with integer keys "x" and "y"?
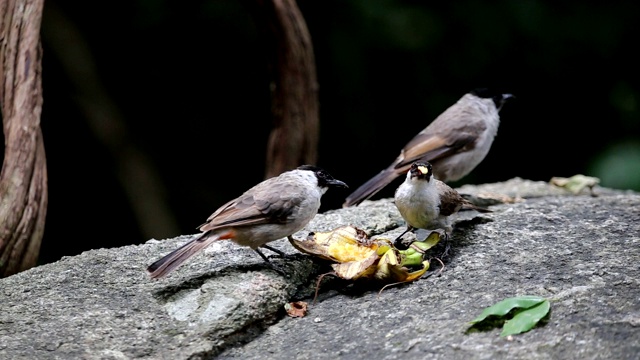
{"x": 371, "y": 187}
{"x": 171, "y": 261}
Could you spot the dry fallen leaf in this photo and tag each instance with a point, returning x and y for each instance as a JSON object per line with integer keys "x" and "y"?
{"x": 486, "y": 198}
{"x": 296, "y": 308}
{"x": 576, "y": 183}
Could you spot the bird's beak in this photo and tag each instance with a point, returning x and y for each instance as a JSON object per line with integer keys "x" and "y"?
{"x": 337, "y": 183}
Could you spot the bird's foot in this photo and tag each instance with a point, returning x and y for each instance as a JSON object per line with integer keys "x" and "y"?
{"x": 399, "y": 244}
{"x": 271, "y": 265}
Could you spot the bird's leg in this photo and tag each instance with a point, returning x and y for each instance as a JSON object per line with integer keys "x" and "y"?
{"x": 269, "y": 263}
{"x": 447, "y": 246}
{"x": 398, "y": 241}
{"x": 274, "y": 250}
{"x": 262, "y": 256}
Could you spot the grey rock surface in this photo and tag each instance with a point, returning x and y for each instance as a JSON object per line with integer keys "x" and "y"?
{"x": 580, "y": 251}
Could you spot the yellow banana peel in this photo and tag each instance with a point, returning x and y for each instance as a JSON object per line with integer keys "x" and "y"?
{"x": 356, "y": 256}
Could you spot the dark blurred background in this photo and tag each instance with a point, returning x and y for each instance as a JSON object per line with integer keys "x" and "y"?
{"x": 186, "y": 85}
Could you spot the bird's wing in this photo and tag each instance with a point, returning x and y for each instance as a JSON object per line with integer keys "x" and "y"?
{"x": 265, "y": 203}
{"x": 455, "y": 200}
{"x": 425, "y": 148}
{"x": 436, "y": 142}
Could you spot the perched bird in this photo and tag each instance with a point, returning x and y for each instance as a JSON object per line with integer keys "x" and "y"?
{"x": 455, "y": 143}
{"x": 428, "y": 203}
{"x": 273, "y": 209}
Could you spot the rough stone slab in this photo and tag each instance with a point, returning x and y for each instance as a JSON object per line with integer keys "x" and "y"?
{"x": 582, "y": 252}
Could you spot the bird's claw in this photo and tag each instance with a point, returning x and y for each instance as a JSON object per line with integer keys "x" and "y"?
{"x": 277, "y": 269}
{"x": 401, "y": 244}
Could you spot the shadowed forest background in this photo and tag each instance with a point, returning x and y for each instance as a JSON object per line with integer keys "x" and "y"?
{"x": 189, "y": 85}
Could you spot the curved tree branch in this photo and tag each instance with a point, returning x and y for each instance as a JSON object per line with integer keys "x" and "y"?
{"x": 23, "y": 180}
{"x": 294, "y": 138}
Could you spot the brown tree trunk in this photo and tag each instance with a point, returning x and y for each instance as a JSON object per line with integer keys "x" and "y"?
{"x": 23, "y": 180}
{"x": 294, "y": 138}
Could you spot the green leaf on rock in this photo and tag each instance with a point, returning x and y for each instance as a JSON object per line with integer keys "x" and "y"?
{"x": 526, "y": 319}
{"x": 526, "y": 312}
{"x": 505, "y": 306}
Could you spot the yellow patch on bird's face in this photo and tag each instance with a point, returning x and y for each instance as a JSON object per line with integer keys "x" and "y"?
{"x": 423, "y": 169}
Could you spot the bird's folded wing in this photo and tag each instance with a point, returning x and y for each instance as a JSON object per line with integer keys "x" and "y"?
{"x": 267, "y": 207}
{"x": 454, "y": 199}
{"x": 431, "y": 148}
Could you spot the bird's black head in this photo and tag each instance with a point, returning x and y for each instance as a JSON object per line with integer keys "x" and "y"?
{"x": 421, "y": 170}
{"x": 486, "y": 93}
{"x": 324, "y": 178}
